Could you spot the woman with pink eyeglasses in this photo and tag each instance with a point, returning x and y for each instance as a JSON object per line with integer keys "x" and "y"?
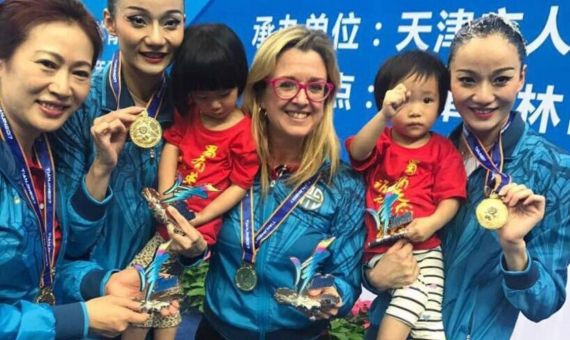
{"x": 303, "y": 204}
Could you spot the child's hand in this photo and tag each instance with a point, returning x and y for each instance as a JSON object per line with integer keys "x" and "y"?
{"x": 420, "y": 229}
{"x": 394, "y": 99}
{"x": 198, "y": 219}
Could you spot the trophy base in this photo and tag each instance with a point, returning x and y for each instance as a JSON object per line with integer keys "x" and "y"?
{"x": 154, "y": 306}
{"x": 402, "y": 233}
{"x": 167, "y": 289}
{"x": 396, "y": 230}
{"x": 309, "y": 305}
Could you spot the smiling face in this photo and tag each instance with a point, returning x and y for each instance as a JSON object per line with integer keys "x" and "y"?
{"x": 486, "y": 75}
{"x": 46, "y": 79}
{"x": 294, "y": 119}
{"x": 414, "y": 119}
{"x": 149, "y": 32}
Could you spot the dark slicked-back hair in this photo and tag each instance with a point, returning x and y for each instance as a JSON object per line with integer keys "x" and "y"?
{"x": 112, "y": 6}
{"x": 487, "y": 25}
{"x": 418, "y": 64}
{"x": 211, "y": 58}
{"x": 18, "y": 17}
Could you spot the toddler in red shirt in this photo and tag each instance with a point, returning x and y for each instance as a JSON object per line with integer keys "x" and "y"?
{"x": 415, "y": 180}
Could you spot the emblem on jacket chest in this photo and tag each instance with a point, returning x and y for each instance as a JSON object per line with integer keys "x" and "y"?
{"x": 313, "y": 199}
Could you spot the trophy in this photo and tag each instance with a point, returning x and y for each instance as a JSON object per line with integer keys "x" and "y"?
{"x": 157, "y": 283}
{"x": 305, "y": 279}
{"x": 390, "y": 228}
{"x": 178, "y": 194}
{"x": 159, "y": 288}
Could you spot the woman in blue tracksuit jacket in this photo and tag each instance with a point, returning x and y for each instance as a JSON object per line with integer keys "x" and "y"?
{"x": 44, "y": 76}
{"x": 491, "y": 276}
{"x": 91, "y": 149}
{"x": 290, "y": 94}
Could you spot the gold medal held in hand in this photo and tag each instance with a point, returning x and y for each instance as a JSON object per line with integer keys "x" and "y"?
{"x": 145, "y": 131}
{"x": 492, "y": 213}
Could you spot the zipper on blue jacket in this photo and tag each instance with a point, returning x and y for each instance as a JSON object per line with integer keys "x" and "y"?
{"x": 472, "y": 318}
{"x": 260, "y": 265}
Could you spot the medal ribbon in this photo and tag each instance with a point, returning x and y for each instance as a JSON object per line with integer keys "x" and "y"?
{"x": 492, "y": 161}
{"x": 278, "y": 216}
{"x": 155, "y": 102}
{"x": 47, "y": 218}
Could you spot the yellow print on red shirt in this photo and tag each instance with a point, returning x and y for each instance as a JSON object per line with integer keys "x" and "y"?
{"x": 382, "y": 187}
{"x": 199, "y": 164}
{"x": 412, "y": 167}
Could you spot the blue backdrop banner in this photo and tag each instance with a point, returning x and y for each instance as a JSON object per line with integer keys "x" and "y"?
{"x": 365, "y": 33}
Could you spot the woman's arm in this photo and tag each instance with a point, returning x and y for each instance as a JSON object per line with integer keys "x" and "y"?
{"x": 536, "y": 253}
{"x": 348, "y": 229}
{"x": 83, "y": 185}
{"x": 109, "y": 133}
{"x": 397, "y": 268}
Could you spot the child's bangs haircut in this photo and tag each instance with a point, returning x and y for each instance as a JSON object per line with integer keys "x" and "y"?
{"x": 418, "y": 64}
{"x": 211, "y": 58}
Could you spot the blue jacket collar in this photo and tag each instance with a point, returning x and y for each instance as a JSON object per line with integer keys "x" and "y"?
{"x": 9, "y": 169}
{"x": 110, "y": 103}
{"x": 511, "y": 136}
{"x": 7, "y": 164}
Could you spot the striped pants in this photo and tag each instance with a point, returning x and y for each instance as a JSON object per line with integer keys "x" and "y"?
{"x": 419, "y": 305}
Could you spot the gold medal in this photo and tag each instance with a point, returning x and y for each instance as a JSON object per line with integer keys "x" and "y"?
{"x": 246, "y": 278}
{"x": 145, "y": 131}
{"x": 46, "y": 296}
{"x": 492, "y": 213}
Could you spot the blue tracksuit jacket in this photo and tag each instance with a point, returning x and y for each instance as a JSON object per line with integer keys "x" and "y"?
{"x": 482, "y": 300}
{"x": 21, "y": 256}
{"x": 128, "y": 224}
{"x": 330, "y": 210}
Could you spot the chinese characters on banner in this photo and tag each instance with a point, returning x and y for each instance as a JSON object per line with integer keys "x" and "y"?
{"x": 365, "y": 33}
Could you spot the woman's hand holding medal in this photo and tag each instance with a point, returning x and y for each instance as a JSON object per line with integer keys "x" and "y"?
{"x": 110, "y": 133}
{"x": 526, "y": 210}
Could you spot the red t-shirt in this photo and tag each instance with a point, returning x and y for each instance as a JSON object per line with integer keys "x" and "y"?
{"x": 423, "y": 177}
{"x": 220, "y": 158}
{"x": 38, "y": 177}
